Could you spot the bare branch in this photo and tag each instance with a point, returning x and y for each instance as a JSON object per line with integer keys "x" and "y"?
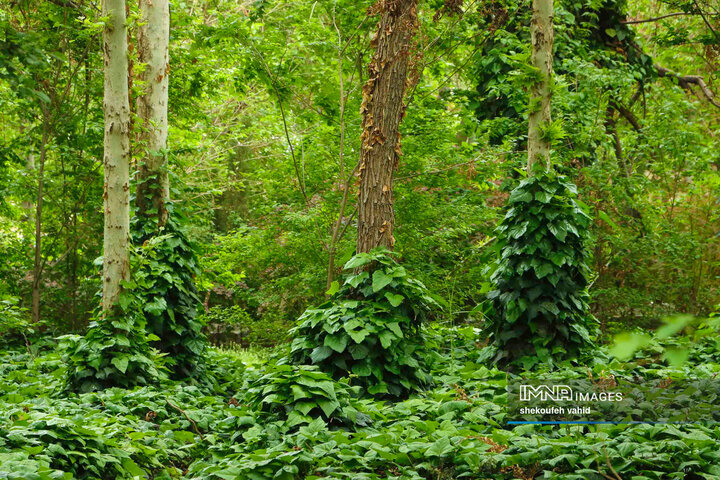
{"x": 686, "y": 82}
{"x": 655, "y": 19}
{"x": 627, "y": 113}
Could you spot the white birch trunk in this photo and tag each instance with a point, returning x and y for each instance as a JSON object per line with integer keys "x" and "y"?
{"x": 541, "y": 33}
{"x": 152, "y": 106}
{"x": 116, "y": 257}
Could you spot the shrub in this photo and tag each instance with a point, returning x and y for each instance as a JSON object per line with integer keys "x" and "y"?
{"x": 115, "y": 352}
{"x": 370, "y": 328}
{"x": 301, "y": 393}
{"x": 541, "y": 277}
{"x": 14, "y": 323}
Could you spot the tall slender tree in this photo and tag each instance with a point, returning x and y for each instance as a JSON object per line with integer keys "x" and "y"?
{"x": 382, "y": 110}
{"x": 539, "y": 118}
{"x": 153, "y": 39}
{"x": 179, "y": 333}
{"x": 116, "y": 258}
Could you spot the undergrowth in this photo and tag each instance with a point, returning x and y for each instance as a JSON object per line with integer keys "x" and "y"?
{"x": 243, "y": 427}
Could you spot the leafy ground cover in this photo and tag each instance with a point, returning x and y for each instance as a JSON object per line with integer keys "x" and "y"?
{"x": 261, "y": 420}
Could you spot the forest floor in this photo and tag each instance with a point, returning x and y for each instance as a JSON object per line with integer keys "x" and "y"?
{"x": 456, "y": 429}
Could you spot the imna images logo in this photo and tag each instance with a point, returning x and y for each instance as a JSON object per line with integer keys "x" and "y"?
{"x": 543, "y": 393}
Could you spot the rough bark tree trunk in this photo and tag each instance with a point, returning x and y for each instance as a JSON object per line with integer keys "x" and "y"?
{"x": 383, "y": 110}
{"x": 541, "y": 33}
{"x": 153, "y": 40}
{"x": 116, "y": 196}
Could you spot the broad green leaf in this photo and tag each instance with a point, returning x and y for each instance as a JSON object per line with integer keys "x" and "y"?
{"x": 358, "y": 335}
{"x": 394, "y": 298}
{"x": 121, "y": 363}
{"x": 380, "y": 280}
{"x": 337, "y": 342}
{"x": 440, "y": 448}
{"x": 320, "y": 353}
{"x": 334, "y": 287}
{"x": 626, "y": 344}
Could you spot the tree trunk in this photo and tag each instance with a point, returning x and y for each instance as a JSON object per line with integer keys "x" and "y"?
{"x": 37, "y": 266}
{"x": 383, "y": 110}
{"x": 116, "y": 258}
{"x": 541, "y": 33}
{"x": 153, "y": 39}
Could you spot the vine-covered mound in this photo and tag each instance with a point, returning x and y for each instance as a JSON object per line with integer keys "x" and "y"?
{"x": 164, "y": 281}
{"x": 541, "y": 278}
{"x": 370, "y": 328}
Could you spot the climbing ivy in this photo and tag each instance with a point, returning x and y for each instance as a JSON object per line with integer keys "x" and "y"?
{"x": 370, "y": 328}
{"x": 541, "y": 278}
{"x": 164, "y": 282}
{"x": 115, "y": 351}
{"x": 300, "y": 393}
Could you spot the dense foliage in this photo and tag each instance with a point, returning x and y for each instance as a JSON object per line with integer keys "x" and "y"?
{"x": 264, "y": 247}
{"x": 164, "y": 284}
{"x": 299, "y": 394}
{"x": 457, "y": 429}
{"x": 115, "y": 351}
{"x": 240, "y": 349}
{"x": 370, "y": 328}
{"x": 542, "y": 275}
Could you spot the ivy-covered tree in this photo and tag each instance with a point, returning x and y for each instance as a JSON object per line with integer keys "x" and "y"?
{"x": 115, "y": 349}
{"x": 542, "y": 276}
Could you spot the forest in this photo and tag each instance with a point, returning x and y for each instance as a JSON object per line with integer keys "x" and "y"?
{"x": 359, "y": 239}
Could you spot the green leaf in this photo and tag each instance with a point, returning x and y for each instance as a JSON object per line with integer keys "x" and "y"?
{"x": 518, "y": 195}
{"x": 121, "y": 363}
{"x": 676, "y": 357}
{"x": 606, "y": 218}
{"x": 357, "y": 261}
{"x": 542, "y": 196}
{"x": 380, "y": 280}
{"x": 355, "y": 280}
{"x": 358, "y": 335}
{"x": 394, "y": 298}
{"x": 626, "y": 344}
{"x": 395, "y": 327}
{"x": 544, "y": 269}
{"x": 328, "y": 406}
{"x": 386, "y": 338}
{"x": 440, "y": 448}
{"x": 558, "y": 231}
{"x": 334, "y": 287}
{"x": 320, "y": 353}
{"x": 673, "y": 325}
{"x": 337, "y": 342}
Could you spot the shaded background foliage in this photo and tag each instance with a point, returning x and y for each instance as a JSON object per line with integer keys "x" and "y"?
{"x": 249, "y": 76}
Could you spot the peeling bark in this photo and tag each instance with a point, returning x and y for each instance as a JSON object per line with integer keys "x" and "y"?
{"x": 541, "y": 33}
{"x": 153, "y": 189}
{"x": 116, "y": 196}
{"x": 382, "y": 110}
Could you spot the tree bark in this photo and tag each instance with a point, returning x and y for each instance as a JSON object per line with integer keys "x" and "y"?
{"x": 116, "y": 196}
{"x": 153, "y": 189}
{"x": 541, "y": 33}
{"x": 383, "y": 110}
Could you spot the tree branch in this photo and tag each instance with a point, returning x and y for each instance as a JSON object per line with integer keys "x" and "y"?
{"x": 655, "y": 19}
{"x": 686, "y": 81}
{"x": 627, "y": 113}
